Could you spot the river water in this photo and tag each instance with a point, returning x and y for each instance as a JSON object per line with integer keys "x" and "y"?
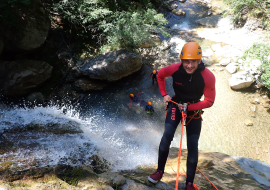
{"x": 126, "y": 136}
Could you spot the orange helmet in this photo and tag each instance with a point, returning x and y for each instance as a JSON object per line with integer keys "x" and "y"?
{"x": 154, "y": 71}
{"x": 191, "y": 50}
{"x": 131, "y": 95}
{"x": 149, "y": 103}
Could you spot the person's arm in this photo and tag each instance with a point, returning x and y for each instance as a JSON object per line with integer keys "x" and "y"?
{"x": 209, "y": 92}
{"x": 162, "y": 74}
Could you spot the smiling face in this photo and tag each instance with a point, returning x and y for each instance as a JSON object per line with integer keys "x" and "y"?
{"x": 191, "y": 65}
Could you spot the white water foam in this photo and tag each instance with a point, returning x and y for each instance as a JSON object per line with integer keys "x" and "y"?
{"x": 124, "y": 145}
{"x": 182, "y": 26}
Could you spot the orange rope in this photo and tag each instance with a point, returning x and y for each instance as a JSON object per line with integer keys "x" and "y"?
{"x": 180, "y": 149}
{"x": 184, "y": 116}
{"x": 207, "y": 179}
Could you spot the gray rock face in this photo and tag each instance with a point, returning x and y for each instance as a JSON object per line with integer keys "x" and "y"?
{"x": 33, "y": 29}
{"x": 20, "y": 77}
{"x": 112, "y": 66}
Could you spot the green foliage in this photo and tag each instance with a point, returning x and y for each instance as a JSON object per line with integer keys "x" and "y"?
{"x": 259, "y": 9}
{"x": 261, "y": 51}
{"x": 8, "y": 9}
{"x": 131, "y": 29}
{"x": 113, "y": 24}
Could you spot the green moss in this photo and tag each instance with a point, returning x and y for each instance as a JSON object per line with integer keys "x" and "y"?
{"x": 71, "y": 175}
{"x": 5, "y": 165}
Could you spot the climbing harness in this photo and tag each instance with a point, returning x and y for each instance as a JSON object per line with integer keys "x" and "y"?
{"x": 184, "y": 116}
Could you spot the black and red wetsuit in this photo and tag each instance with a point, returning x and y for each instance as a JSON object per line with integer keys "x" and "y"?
{"x": 188, "y": 88}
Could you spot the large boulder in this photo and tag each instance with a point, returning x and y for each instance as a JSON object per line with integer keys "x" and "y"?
{"x": 31, "y": 30}
{"x": 241, "y": 80}
{"x": 20, "y": 77}
{"x": 112, "y": 66}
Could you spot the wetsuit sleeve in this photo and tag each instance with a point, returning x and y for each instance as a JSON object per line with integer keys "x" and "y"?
{"x": 209, "y": 92}
{"x": 163, "y": 73}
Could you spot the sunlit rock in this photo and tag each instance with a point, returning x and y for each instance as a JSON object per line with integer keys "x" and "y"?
{"x": 112, "y": 66}
{"x": 216, "y": 47}
{"x": 178, "y": 12}
{"x": 225, "y": 62}
{"x": 253, "y": 109}
{"x": 232, "y": 67}
{"x": 249, "y": 123}
{"x": 241, "y": 80}
{"x": 21, "y": 77}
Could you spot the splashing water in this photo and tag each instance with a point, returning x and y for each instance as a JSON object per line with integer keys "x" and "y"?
{"x": 123, "y": 144}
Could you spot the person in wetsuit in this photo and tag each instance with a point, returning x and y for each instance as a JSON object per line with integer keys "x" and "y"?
{"x": 154, "y": 77}
{"x": 149, "y": 108}
{"x": 137, "y": 100}
{"x": 191, "y": 80}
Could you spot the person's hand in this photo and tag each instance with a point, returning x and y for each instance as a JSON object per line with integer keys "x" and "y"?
{"x": 182, "y": 107}
{"x": 166, "y": 98}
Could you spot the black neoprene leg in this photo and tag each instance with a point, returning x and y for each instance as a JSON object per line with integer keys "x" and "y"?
{"x": 193, "y": 130}
{"x": 172, "y": 120}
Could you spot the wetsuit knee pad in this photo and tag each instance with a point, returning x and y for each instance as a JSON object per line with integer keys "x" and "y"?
{"x": 167, "y": 137}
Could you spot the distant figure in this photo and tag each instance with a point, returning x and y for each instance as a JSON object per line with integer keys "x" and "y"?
{"x": 137, "y": 100}
{"x": 149, "y": 108}
{"x": 154, "y": 76}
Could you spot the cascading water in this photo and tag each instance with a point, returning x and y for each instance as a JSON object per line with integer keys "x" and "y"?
{"x": 103, "y": 124}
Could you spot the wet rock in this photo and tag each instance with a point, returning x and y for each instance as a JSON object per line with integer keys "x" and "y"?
{"x": 178, "y": 12}
{"x": 112, "y": 179}
{"x": 241, "y": 80}
{"x": 21, "y": 77}
{"x": 112, "y": 66}
{"x": 211, "y": 21}
{"x": 88, "y": 85}
{"x": 36, "y": 97}
{"x": 131, "y": 184}
{"x": 182, "y": 1}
